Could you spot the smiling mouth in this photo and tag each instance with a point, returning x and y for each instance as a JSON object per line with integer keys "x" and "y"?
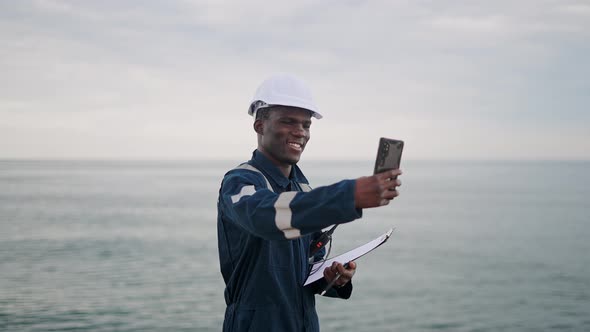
{"x": 296, "y": 146}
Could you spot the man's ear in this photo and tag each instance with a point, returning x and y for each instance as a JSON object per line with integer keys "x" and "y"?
{"x": 259, "y": 126}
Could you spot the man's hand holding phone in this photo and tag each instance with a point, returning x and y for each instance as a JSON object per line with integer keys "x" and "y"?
{"x": 376, "y": 190}
{"x": 379, "y": 189}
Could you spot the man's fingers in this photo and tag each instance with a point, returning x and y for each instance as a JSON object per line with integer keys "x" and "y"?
{"x": 391, "y": 195}
{"x": 329, "y": 274}
{"x": 376, "y": 190}
{"x": 389, "y": 180}
{"x": 394, "y": 173}
{"x": 346, "y": 274}
{"x": 389, "y": 174}
{"x": 334, "y": 267}
{"x": 339, "y": 267}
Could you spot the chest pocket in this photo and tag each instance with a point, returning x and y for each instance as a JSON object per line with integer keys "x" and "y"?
{"x": 280, "y": 254}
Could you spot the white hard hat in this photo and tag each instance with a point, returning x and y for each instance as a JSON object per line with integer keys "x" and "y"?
{"x": 285, "y": 90}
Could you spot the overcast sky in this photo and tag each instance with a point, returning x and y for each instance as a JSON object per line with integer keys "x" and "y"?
{"x": 173, "y": 79}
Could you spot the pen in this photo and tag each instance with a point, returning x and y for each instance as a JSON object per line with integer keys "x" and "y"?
{"x": 333, "y": 281}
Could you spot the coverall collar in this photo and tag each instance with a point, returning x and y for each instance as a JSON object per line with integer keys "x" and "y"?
{"x": 259, "y": 160}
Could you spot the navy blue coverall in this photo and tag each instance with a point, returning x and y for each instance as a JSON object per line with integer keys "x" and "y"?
{"x": 263, "y": 239}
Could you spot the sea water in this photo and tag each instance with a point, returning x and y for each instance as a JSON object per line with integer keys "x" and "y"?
{"x": 131, "y": 246}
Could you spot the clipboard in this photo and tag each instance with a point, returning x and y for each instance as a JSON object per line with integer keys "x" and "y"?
{"x": 347, "y": 257}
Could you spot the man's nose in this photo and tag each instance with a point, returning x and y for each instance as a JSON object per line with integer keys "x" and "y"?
{"x": 299, "y": 131}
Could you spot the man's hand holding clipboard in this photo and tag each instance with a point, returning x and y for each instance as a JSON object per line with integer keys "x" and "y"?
{"x": 347, "y": 257}
{"x": 339, "y": 274}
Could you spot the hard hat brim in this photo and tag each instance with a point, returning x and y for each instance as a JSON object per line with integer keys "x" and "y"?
{"x": 256, "y": 105}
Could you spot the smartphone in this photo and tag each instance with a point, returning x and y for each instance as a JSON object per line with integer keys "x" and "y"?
{"x": 389, "y": 154}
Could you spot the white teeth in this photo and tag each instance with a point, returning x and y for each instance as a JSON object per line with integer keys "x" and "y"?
{"x": 295, "y": 145}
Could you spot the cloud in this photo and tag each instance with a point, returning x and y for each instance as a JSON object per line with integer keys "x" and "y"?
{"x": 181, "y": 74}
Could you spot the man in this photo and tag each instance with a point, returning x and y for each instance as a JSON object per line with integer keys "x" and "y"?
{"x": 268, "y": 215}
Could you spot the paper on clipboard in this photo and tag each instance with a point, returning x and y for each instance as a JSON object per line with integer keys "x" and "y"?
{"x": 346, "y": 257}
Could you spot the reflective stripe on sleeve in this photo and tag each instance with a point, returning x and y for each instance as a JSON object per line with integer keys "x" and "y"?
{"x": 283, "y": 215}
{"x": 246, "y": 191}
{"x": 305, "y": 187}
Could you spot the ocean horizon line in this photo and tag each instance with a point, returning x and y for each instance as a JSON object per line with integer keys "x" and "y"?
{"x": 306, "y": 160}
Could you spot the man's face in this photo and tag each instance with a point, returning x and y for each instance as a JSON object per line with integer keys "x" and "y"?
{"x": 284, "y": 134}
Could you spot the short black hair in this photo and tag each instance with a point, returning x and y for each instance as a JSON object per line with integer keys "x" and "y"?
{"x": 263, "y": 113}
